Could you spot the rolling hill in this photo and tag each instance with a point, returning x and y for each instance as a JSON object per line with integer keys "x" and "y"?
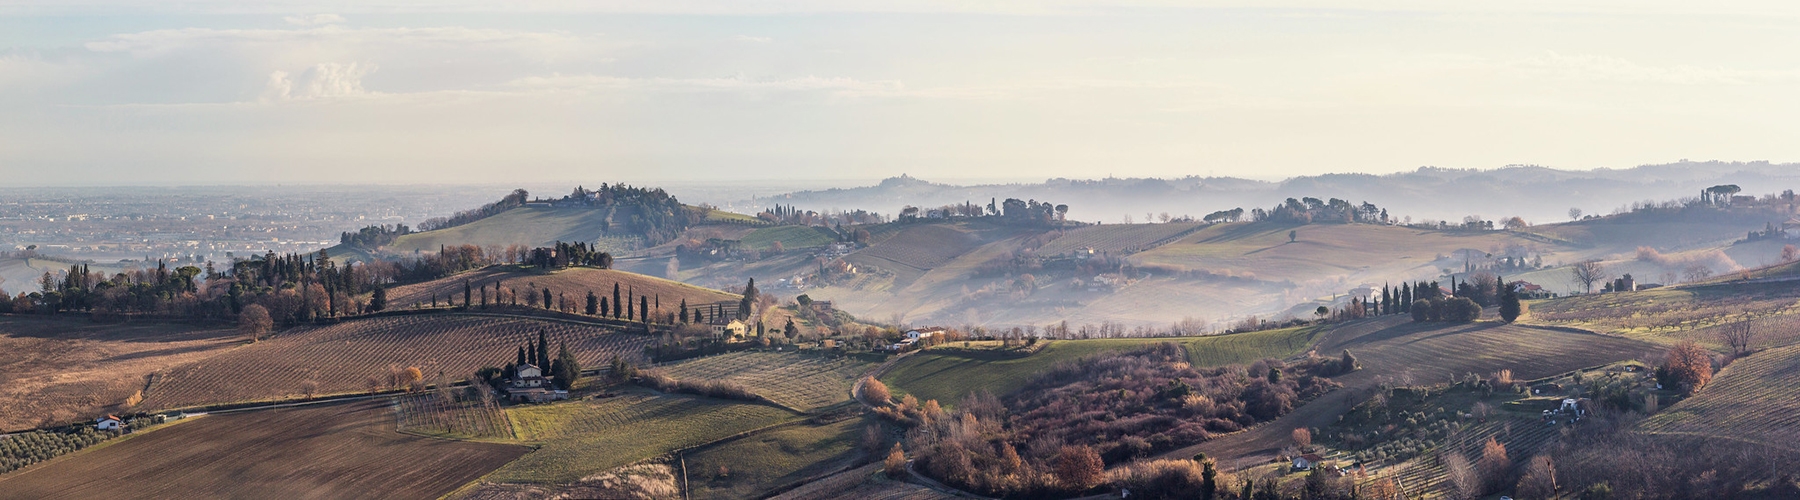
{"x": 574, "y": 282}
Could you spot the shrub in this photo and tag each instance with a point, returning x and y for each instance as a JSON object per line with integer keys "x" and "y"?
{"x": 1159, "y": 479}
{"x": 875, "y": 393}
{"x": 895, "y": 464}
{"x": 1079, "y": 467}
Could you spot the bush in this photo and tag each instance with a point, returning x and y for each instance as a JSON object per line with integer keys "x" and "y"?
{"x": 1160, "y": 479}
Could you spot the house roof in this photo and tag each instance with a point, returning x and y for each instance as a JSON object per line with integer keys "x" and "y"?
{"x": 1312, "y": 457}
{"x": 109, "y": 417}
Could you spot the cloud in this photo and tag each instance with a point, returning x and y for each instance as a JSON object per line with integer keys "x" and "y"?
{"x": 314, "y": 20}
{"x": 321, "y": 81}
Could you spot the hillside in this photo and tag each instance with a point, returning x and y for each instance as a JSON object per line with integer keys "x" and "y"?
{"x": 574, "y": 283}
{"x": 363, "y": 354}
{"x": 1756, "y": 399}
{"x": 57, "y": 370}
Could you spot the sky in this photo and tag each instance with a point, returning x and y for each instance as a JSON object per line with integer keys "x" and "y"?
{"x": 123, "y": 92}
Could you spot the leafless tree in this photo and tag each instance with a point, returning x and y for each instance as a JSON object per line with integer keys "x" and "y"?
{"x": 254, "y": 321}
{"x": 1698, "y": 272}
{"x": 1574, "y": 213}
{"x": 1460, "y": 478}
{"x": 1737, "y": 336}
{"x": 1588, "y": 272}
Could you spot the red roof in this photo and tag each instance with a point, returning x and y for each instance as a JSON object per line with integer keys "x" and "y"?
{"x": 1312, "y": 457}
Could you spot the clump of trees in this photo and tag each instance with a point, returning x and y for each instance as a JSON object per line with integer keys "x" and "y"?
{"x": 375, "y": 236}
{"x": 1454, "y": 309}
{"x": 23, "y": 449}
{"x": 561, "y": 255}
{"x": 1686, "y": 366}
{"x": 1309, "y": 210}
{"x": 513, "y": 200}
{"x": 1056, "y": 435}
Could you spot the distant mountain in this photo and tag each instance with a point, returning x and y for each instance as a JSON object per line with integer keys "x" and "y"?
{"x": 1538, "y": 194}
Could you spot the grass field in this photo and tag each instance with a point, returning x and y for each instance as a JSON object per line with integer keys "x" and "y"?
{"x": 61, "y": 370}
{"x": 948, "y": 375}
{"x": 756, "y": 464}
{"x": 1755, "y": 399}
{"x": 572, "y": 283}
{"x": 1360, "y": 251}
{"x": 532, "y": 226}
{"x": 1115, "y": 238}
{"x": 348, "y": 450}
{"x": 582, "y": 438}
{"x": 358, "y": 355}
{"x": 791, "y": 237}
{"x": 802, "y": 382}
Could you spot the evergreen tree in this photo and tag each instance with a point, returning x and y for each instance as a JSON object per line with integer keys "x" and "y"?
{"x": 1209, "y": 479}
{"x": 593, "y": 303}
{"x": 1274, "y": 375}
{"x": 522, "y": 359}
{"x": 644, "y": 308}
{"x": 467, "y": 294}
{"x": 617, "y": 305}
{"x": 543, "y": 349}
{"x": 605, "y": 308}
{"x": 1510, "y": 308}
{"x": 547, "y": 298}
{"x": 379, "y": 301}
{"x": 684, "y": 311}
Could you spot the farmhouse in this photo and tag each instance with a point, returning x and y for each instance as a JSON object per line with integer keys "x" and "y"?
{"x": 1307, "y": 461}
{"x": 916, "y": 334}
{"x": 726, "y": 327}
{"x": 108, "y": 423}
{"x": 528, "y": 385}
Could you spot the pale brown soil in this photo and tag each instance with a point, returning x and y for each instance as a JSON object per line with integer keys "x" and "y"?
{"x": 57, "y": 370}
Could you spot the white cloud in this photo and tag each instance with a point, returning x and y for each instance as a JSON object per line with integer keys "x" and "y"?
{"x": 323, "y": 80}
{"x": 314, "y": 20}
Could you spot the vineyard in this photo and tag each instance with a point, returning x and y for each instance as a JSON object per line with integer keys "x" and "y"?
{"x": 348, "y": 450}
{"x": 58, "y": 371}
{"x": 572, "y": 284}
{"x": 362, "y": 355}
{"x": 1755, "y": 399}
{"x": 797, "y": 381}
{"x": 1425, "y": 474}
{"x": 1687, "y": 313}
{"x": 1118, "y": 238}
{"x": 751, "y": 466}
{"x": 443, "y": 415}
{"x": 791, "y": 237}
{"x": 579, "y": 439}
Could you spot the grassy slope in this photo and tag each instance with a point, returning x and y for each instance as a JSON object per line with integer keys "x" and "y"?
{"x": 576, "y": 282}
{"x": 1670, "y": 315}
{"x": 791, "y": 237}
{"x": 1360, "y": 251}
{"x": 948, "y": 375}
{"x": 1114, "y": 237}
{"x": 534, "y": 226}
{"x": 1755, "y": 399}
{"x": 748, "y": 467}
{"x": 59, "y": 370}
{"x": 582, "y": 438}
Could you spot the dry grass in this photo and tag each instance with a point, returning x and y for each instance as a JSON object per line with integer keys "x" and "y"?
{"x": 573, "y": 283}
{"x": 1687, "y": 313}
{"x": 330, "y": 451}
{"x": 797, "y": 381}
{"x": 62, "y": 370}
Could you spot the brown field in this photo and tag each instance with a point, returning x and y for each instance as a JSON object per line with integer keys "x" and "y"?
{"x": 574, "y": 283}
{"x": 1116, "y": 238}
{"x": 867, "y": 482}
{"x": 1393, "y": 349}
{"x": 329, "y": 451}
{"x": 59, "y": 370}
{"x": 923, "y": 246}
{"x": 357, "y": 355}
{"x": 1356, "y": 251}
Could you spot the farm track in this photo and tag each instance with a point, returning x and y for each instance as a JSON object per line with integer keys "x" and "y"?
{"x": 1394, "y": 348}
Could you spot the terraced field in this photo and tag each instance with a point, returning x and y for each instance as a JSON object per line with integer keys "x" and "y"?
{"x": 581, "y": 438}
{"x": 949, "y": 374}
{"x": 1755, "y": 399}
{"x": 923, "y": 246}
{"x": 1117, "y": 238}
{"x": 573, "y": 282}
{"x": 358, "y": 355}
{"x": 433, "y": 415}
{"x": 346, "y": 450}
{"x": 798, "y": 381}
{"x": 62, "y": 370}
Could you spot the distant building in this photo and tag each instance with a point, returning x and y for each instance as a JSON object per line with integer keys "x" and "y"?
{"x": 528, "y": 385}
{"x": 919, "y": 333}
{"x": 1307, "y": 461}
{"x": 108, "y": 423}
{"x": 726, "y": 327}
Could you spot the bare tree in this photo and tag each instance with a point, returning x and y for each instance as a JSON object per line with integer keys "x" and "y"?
{"x": 1737, "y": 336}
{"x": 1588, "y": 272}
{"x": 1574, "y": 213}
{"x": 1302, "y": 438}
{"x": 1460, "y": 478}
{"x": 1698, "y": 272}
{"x": 254, "y": 322}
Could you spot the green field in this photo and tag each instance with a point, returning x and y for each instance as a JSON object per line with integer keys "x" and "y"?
{"x": 582, "y": 438}
{"x": 756, "y": 464}
{"x": 791, "y": 237}
{"x": 948, "y": 375}
{"x": 534, "y": 226}
{"x": 1361, "y": 250}
{"x": 723, "y": 216}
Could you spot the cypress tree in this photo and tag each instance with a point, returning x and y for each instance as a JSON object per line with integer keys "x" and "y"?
{"x": 379, "y": 301}
{"x": 684, "y": 311}
{"x": 522, "y": 359}
{"x": 604, "y": 307}
{"x": 1510, "y": 308}
{"x": 593, "y": 303}
{"x": 616, "y": 303}
{"x": 467, "y": 294}
{"x": 644, "y": 308}
{"x": 543, "y": 349}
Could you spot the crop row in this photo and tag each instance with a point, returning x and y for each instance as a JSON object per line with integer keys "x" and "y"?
{"x": 583, "y": 438}
{"x": 23, "y": 449}
{"x": 925, "y": 246}
{"x": 366, "y": 355}
{"x": 1115, "y": 238}
{"x": 432, "y": 414}
{"x": 792, "y": 380}
{"x": 1756, "y": 398}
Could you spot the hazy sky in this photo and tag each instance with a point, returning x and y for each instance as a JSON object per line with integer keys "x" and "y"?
{"x": 131, "y": 92}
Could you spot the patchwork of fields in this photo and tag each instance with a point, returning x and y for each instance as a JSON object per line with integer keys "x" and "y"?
{"x": 347, "y": 450}
{"x": 1755, "y": 399}
{"x": 1670, "y": 315}
{"x": 358, "y": 355}
{"x": 1116, "y": 238}
{"x": 752, "y": 465}
{"x": 797, "y": 381}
